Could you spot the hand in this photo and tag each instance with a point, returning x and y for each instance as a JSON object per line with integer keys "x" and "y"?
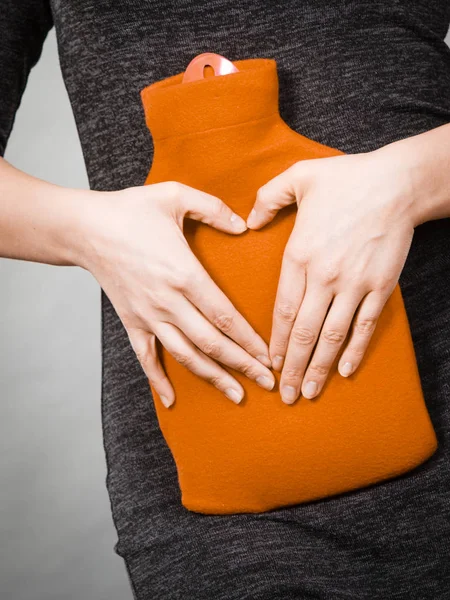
{"x": 159, "y": 289}
{"x": 351, "y": 237}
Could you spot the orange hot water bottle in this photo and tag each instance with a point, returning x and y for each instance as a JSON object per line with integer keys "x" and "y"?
{"x": 224, "y": 135}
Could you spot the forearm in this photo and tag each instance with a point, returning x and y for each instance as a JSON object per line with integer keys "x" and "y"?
{"x": 426, "y": 157}
{"x": 42, "y": 222}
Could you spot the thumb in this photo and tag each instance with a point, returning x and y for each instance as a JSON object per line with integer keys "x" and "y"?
{"x": 209, "y": 209}
{"x": 281, "y": 191}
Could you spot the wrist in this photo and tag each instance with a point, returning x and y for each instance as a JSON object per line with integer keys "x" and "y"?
{"x": 422, "y": 162}
{"x": 404, "y": 172}
{"x": 46, "y": 223}
{"x": 75, "y": 228}
{"x": 77, "y": 239}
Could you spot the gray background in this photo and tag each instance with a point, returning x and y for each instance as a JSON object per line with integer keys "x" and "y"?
{"x": 56, "y": 533}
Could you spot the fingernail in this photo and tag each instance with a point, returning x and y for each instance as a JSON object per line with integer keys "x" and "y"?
{"x": 346, "y": 369}
{"x": 288, "y": 394}
{"x": 265, "y": 360}
{"x": 310, "y": 389}
{"x": 234, "y": 395}
{"x": 165, "y": 400}
{"x": 265, "y": 382}
{"x": 238, "y": 222}
{"x": 277, "y": 362}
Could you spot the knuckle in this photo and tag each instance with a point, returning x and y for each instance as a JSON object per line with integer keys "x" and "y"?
{"x": 155, "y": 382}
{"x": 286, "y": 312}
{"x": 318, "y": 368}
{"x": 292, "y": 373}
{"x": 261, "y": 195}
{"x": 333, "y": 336}
{"x": 212, "y": 348}
{"x": 224, "y": 322}
{"x": 303, "y": 336}
{"x": 299, "y": 167}
{"x": 215, "y": 380}
{"x": 244, "y": 367}
{"x": 158, "y": 300}
{"x": 365, "y": 326}
{"x": 298, "y": 256}
{"x": 181, "y": 279}
{"x": 182, "y": 358}
{"x": 386, "y": 284}
{"x": 278, "y": 344}
{"x": 142, "y": 356}
{"x": 217, "y": 207}
{"x": 330, "y": 274}
{"x": 265, "y": 198}
{"x": 173, "y": 190}
{"x": 357, "y": 350}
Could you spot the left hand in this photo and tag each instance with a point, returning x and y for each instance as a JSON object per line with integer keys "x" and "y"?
{"x": 351, "y": 237}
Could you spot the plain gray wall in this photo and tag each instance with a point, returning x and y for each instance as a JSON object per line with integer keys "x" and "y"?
{"x": 56, "y": 533}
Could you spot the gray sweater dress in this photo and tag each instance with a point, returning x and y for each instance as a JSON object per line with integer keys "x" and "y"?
{"x": 355, "y": 75}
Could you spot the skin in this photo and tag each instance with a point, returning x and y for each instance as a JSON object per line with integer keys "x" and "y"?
{"x": 355, "y": 222}
{"x": 123, "y": 238}
{"x": 353, "y": 230}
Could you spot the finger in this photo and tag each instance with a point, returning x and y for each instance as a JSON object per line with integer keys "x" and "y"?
{"x": 203, "y": 293}
{"x": 218, "y": 346}
{"x": 144, "y": 345}
{"x": 290, "y": 292}
{"x": 281, "y": 191}
{"x": 362, "y": 329}
{"x": 184, "y": 352}
{"x": 208, "y": 209}
{"x": 304, "y": 335}
{"x": 331, "y": 338}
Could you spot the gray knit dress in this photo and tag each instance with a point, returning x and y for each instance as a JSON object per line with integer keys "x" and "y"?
{"x": 356, "y": 75}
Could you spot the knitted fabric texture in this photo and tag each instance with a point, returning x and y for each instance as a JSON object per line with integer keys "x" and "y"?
{"x": 224, "y": 135}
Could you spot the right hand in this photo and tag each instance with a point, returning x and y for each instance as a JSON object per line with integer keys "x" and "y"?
{"x": 159, "y": 289}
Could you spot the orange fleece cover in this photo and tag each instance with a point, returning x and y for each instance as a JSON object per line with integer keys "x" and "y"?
{"x": 224, "y": 135}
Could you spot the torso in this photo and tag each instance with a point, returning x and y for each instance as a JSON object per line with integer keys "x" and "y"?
{"x": 355, "y": 76}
